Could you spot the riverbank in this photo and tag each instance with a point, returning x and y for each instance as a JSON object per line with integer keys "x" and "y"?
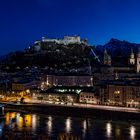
{"x": 78, "y": 111}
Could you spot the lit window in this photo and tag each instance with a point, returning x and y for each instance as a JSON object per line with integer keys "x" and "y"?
{"x": 117, "y": 92}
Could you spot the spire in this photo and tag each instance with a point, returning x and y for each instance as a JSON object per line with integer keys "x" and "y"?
{"x": 105, "y": 51}
{"x": 116, "y": 76}
{"x": 138, "y": 54}
{"x": 106, "y": 58}
{"x": 138, "y": 61}
{"x": 138, "y": 50}
{"x": 132, "y": 53}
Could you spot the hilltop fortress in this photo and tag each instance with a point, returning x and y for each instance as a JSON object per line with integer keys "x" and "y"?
{"x": 66, "y": 40}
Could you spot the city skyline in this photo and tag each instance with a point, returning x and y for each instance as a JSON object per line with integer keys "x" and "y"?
{"x": 69, "y": 69}
{"x": 24, "y": 22}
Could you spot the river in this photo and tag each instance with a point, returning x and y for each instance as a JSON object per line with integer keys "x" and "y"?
{"x": 18, "y": 125}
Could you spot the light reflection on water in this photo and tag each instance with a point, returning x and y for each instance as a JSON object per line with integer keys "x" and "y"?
{"x": 132, "y": 132}
{"x": 84, "y": 127}
{"x": 109, "y": 129}
{"x": 56, "y": 127}
{"x": 49, "y": 125}
{"x": 34, "y": 122}
{"x": 68, "y": 125}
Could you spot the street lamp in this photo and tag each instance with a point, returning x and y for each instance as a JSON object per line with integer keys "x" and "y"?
{"x": 108, "y": 102}
{"x": 132, "y": 101}
{"x": 28, "y": 91}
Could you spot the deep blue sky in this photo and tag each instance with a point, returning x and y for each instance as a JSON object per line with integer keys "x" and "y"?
{"x": 24, "y": 21}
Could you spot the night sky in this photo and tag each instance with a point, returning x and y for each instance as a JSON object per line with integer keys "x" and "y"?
{"x": 24, "y": 21}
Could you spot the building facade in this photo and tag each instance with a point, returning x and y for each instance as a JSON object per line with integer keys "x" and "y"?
{"x": 66, "y": 40}
{"x": 85, "y": 81}
{"x": 120, "y": 93}
{"x": 88, "y": 97}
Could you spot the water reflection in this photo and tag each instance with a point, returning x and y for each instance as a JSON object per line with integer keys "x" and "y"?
{"x": 13, "y": 115}
{"x": 84, "y": 128}
{"x": 1, "y": 127}
{"x": 85, "y": 125}
{"x": 49, "y": 125}
{"x": 17, "y": 120}
{"x": 27, "y": 120}
{"x": 34, "y": 122}
{"x": 108, "y": 129}
{"x": 17, "y": 116}
{"x": 117, "y": 131}
{"x": 20, "y": 122}
{"x": 68, "y": 125}
{"x": 7, "y": 118}
{"x": 2, "y": 110}
{"x": 132, "y": 132}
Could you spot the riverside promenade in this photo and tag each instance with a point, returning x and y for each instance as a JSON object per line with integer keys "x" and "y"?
{"x": 79, "y": 110}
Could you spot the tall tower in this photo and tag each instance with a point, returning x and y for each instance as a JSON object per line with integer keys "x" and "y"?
{"x": 132, "y": 58}
{"x": 116, "y": 76}
{"x": 107, "y": 58}
{"x": 138, "y": 61}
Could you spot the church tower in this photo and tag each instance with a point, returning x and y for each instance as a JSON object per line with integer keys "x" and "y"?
{"x": 138, "y": 61}
{"x": 106, "y": 58}
{"x": 132, "y": 58}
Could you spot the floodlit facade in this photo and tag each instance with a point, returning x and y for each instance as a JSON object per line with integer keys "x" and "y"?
{"x": 74, "y": 81}
{"x": 88, "y": 97}
{"x": 66, "y": 40}
{"x": 120, "y": 95}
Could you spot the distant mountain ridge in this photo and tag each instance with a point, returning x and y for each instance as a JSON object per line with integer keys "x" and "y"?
{"x": 113, "y": 46}
{"x": 60, "y": 57}
{"x": 118, "y": 47}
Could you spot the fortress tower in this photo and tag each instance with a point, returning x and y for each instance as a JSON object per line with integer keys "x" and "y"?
{"x": 106, "y": 58}
{"x": 138, "y": 61}
{"x": 132, "y": 58}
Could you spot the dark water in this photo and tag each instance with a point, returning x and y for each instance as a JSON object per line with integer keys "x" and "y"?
{"x": 17, "y": 125}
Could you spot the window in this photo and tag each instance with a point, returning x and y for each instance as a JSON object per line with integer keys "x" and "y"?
{"x": 117, "y": 92}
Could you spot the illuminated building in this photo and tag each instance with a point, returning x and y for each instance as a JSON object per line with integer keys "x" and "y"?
{"x": 84, "y": 81}
{"x": 106, "y": 58}
{"x": 121, "y": 93}
{"x": 88, "y": 96}
{"x": 66, "y": 40}
{"x": 66, "y": 94}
